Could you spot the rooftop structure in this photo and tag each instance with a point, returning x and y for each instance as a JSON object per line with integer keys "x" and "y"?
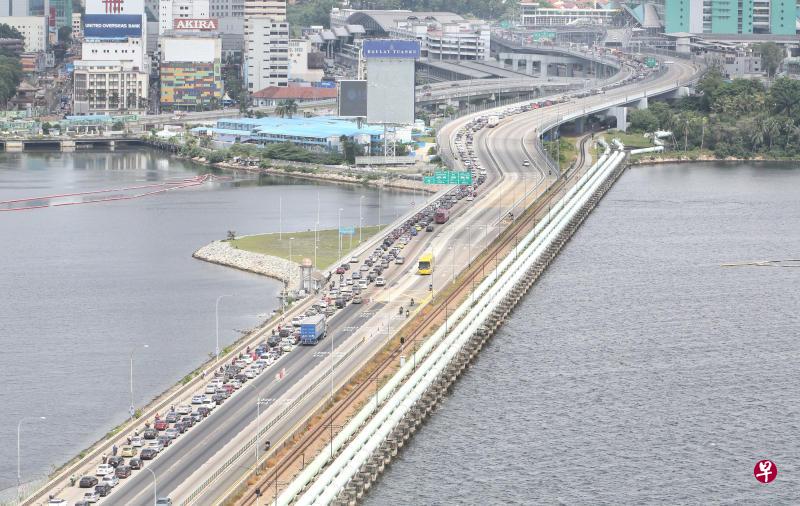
{"x": 534, "y": 14}
{"x": 379, "y": 23}
{"x": 318, "y": 133}
{"x": 273, "y": 94}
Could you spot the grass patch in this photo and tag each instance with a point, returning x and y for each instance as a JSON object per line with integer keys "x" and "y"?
{"x": 632, "y": 141}
{"x": 302, "y": 245}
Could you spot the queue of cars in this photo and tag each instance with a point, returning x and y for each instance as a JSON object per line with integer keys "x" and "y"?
{"x": 147, "y": 443}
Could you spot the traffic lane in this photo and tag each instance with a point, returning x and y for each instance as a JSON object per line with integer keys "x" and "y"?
{"x": 306, "y": 359}
{"x": 190, "y": 450}
{"x": 358, "y": 318}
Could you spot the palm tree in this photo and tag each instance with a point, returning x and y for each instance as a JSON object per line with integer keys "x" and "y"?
{"x": 772, "y": 129}
{"x": 291, "y": 107}
{"x": 280, "y": 109}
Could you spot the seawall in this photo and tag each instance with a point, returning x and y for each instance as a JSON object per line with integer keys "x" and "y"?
{"x": 222, "y": 253}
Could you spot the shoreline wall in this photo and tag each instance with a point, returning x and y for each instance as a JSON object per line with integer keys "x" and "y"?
{"x": 222, "y": 253}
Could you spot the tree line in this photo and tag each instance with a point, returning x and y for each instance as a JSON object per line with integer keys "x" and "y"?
{"x": 10, "y": 67}
{"x": 740, "y": 118}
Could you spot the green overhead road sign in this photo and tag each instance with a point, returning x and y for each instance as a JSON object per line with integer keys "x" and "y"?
{"x": 448, "y": 177}
{"x": 650, "y": 62}
{"x": 537, "y": 36}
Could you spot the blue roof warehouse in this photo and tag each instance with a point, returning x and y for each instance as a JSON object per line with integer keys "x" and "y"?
{"x": 319, "y": 133}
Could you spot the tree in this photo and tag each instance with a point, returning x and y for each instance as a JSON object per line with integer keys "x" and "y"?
{"x": 643, "y": 120}
{"x": 65, "y": 34}
{"x": 10, "y": 76}
{"x": 784, "y": 95}
{"x": 771, "y": 56}
{"x": 9, "y": 32}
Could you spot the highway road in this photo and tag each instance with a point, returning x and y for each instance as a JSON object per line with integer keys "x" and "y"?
{"x": 357, "y": 331}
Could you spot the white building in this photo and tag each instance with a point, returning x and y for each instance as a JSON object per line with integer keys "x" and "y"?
{"x": 170, "y": 10}
{"x": 32, "y": 28}
{"x": 266, "y": 44}
{"x": 267, "y": 53}
{"x": 77, "y": 26}
{"x": 298, "y": 62}
{"x": 125, "y": 50}
{"x": 108, "y": 87}
{"x": 534, "y": 14}
{"x": 463, "y": 40}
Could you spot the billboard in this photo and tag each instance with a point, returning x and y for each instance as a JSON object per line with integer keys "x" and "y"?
{"x": 112, "y": 26}
{"x": 135, "y": 7}
{"x": 353, "y": 99}
{"x": 390, "y": 91}
{"x": 403, "y": 49}
{"x": 196, "y": 49}
{"x": 197, "y": 25}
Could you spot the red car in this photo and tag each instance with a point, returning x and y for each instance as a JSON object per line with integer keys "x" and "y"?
{"x": 160, "y": 424}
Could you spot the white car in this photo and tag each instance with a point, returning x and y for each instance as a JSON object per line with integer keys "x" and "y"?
{"x": 110, "y": 479}
{"x": 57, "y": 502}
{"x": 210, "y": 389}
{"x": 137, "y": 441}
{"x": 363, "y": 284}
{"x": 526, "y": 163}
{"x": 91, "y": 497}
{"x": 197, "y": 399}
{"x": 379, "y": 281}
{"x": 104, "y": 469}
{"x": 286, "y": 348}
{"x": 155, "y": 445}
{"x": 184, "y": 410}
{"x": 297, "y": 320}
{"x": 399, "y": 260}
{"x": 249, "y": 373}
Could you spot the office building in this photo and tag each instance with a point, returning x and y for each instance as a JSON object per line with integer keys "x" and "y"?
{"x": 77, "y": 26}
{"x": 534, "y": 14}
{"x": 226, "y": 8}
{"x": 266, "y": 42}
{"x": 63, "y": 10}
{"x": 172, "y": 10}
{"x": 729, "y": 17}
{"x": 33, "y": 30}
{"x": 109, "y": 87}
{"x": 191, "y": 71}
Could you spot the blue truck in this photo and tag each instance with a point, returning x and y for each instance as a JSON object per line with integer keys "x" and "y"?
{"x": 312, "y": 329}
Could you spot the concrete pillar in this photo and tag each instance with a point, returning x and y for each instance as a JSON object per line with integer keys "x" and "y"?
{"x": 621, "y": 113}
{"x": 580, "y": 124}
{"x": 641, "y": 103}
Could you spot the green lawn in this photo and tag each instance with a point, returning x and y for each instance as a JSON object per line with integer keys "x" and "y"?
{"x": 302, "y": 246}
{"x": 633, "y": 141}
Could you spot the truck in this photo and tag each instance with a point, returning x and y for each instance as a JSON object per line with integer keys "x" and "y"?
{"x": 441, "y": 216}
{"x": 312, "y": 329}
{"x": 493, "y": 121}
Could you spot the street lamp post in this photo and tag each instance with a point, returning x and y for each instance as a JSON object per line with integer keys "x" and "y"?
{"x": 132, "y": 408}
{"x": 19, "y": 464}
{"x": 339, "y": 232}
{"x": 155, "y": 485}
{"x": 360, "y": 219}
{"x": 216, "y": 319}
{"x": 291, "y": 240}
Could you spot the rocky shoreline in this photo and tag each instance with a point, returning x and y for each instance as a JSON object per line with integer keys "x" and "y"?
{"x": 655, "y": 160}
{"x": 222, "y": 253}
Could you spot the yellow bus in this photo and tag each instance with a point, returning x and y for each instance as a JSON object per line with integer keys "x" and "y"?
{"x": 425, "y": 264}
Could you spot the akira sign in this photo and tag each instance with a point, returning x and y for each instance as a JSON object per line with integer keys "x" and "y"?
{"x": 203, "y": 25}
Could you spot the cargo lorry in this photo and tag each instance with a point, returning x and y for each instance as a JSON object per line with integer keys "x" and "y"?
{"x": 493, "y": 121}
{"x": 312, "y": 329}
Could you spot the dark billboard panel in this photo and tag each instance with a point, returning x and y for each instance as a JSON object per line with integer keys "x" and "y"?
{"x": 353, "y": 99}
{"x": 404, "y": 49}
{"x": 112, "y": 26}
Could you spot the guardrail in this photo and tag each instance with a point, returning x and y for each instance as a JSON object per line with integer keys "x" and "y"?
{"x": 443, "y": 347}
{"x": 249, "y": 444}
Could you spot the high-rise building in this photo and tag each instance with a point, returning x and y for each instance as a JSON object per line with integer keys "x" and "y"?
{"x": 191, "y": 71}
{"x": 170, "y": 10}
{"x": 266, "y": 42}
{"x": 777, "y": 17}
{"x": 63, "y": 11}
{"x": 14, "y": 8}
{"x": 227, "y": 8}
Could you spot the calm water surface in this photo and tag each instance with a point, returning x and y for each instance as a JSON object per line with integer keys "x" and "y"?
{"x": 82, "y": 286}
{"x": 639, "y": 370}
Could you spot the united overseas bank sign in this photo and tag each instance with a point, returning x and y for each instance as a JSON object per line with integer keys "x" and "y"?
{"x": 112, "y": 26}
{"x": 400, "y": 49}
